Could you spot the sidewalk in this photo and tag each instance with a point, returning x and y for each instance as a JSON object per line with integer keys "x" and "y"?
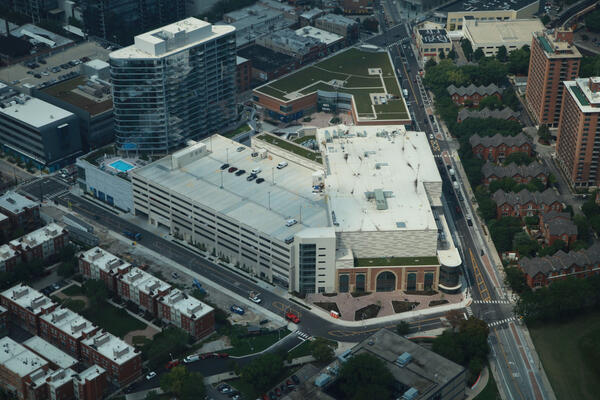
{"x": 474, "y": 390}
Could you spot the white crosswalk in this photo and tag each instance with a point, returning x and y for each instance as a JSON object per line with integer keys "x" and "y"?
{"x": 491, "y": 302}
{"x": 504, "y": 321}
{"x": 469, "y": 311}
{"x": 303, "y": 336}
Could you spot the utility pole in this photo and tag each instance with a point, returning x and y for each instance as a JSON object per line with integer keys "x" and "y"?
{"x": 221, "y": 179}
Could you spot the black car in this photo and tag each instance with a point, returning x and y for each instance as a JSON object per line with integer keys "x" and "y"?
{"x": 224, "y": 166}
{"x": 251, "y": 177}
{"x": 37, "y": 76}
{"x": 42, "y": 61}
{"x": 295, "y": 379}
{"x": 260, "y": 180}
{"x": 240, "y": 172}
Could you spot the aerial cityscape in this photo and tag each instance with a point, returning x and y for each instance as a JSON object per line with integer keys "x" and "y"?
{"x": 299, "y": 199}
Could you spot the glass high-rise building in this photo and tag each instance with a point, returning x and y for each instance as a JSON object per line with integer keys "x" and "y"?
{"x": 174, "y": 84}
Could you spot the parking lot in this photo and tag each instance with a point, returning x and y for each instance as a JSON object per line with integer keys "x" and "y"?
{"x": 21, "y": 75}
{"x": 49, "y": 187}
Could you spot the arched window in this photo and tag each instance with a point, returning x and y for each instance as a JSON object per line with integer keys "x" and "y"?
{"x": 386, "y": 282}
{"x": 343, "y": 286}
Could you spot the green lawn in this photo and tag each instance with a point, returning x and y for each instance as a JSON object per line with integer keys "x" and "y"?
{"x": 301, "y": 350}
{"x": 490, "y": 392}
{"x": 74, "y": 305}
{"x": 73, "y": 290}
{"x": 304, "y": 139}
{"x": 254, "y": 344}
{"x": 115, "y": 320}
{"x": 294, "y": 148}
{"x": 395, "y": 261}
{"x": 569, "y": 353}
{"x": 235, "y": 132}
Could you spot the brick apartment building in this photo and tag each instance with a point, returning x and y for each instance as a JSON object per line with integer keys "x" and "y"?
{"x": 553, "y": 59}
{"x": 66, "y": 329}
{"x": 303, "y": 49}
{"x": 30, "y": 376}
{"x": 26, "y": 306}
{"x": 56, "y": 358}
{"x": 354, "y": 7}
{"x": 471, "y": 95}
{"x": 142, "y": 289}
{"x": 525, "y": 203}
{"x": 8, "y": 258}
{"x": 340, "y": 25}
{"x": 496, "y": 148}
{"x": 42, "y": 244}
{"x": 21, "y": 212}
{"x": 5, "y": 227}
{"x": 122, "y": 361}
{"x": 542, "y": 271}
{"x": 578, "y": 142}
{"x": 558, "y": 226}
{"x": 243, "y": 74}
{"x": 98, "y": 263}
{"x": 187, "y": 313}
{"x": 506, "y": 114}
{"x": 520, "y": 173}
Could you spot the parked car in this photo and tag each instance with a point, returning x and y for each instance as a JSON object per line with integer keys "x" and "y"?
{"x": 224, "y": 166}
{"x": 175, "y": 275}
{"x": 260, "y": 180}
{"x": 237, "y": 309}
{"x": 191, "y": 358}
{"x": 150, "y": 375}
{"x": 292, "y": 317}
{"x": 240, "y": 172}
{"x": 232, "y": 169}
{"x": 291, "y": 222}
{"x": 256, "y": 171}
{"x": 282, "y": 165}
{"x": 241, "y": 148}
{"x": 172, "y": 363}
{"x": 251, "y": 177}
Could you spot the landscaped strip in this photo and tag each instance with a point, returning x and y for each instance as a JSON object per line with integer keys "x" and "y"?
{"x": 294, "y": 148}
{"x": 395, "y": 261}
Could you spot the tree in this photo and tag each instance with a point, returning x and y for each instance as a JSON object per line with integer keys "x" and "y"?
{"x": 96, "y": 291}
{"x": 466, "y": 48}
{"x": 452, "y": 54}
{"x": 491, "y": 102}
{"x": 322, "y": 349}
{"x": 171, "y": 340}
{"x": 545, "y": 19}
{"x": 478, "y": 54}
{"x": 501, "y": 54}
{"x": 403, "y": 328}
{"x": 590, "y": 66}
{"x": 510, "y": 99}
{"x": 263, "y": 372}
{"x": 544, "y": 134}
{"x": 526, "y": 246}
{"x": 430, "y": 63}
{"x": 66, "y": 268}
{"x": 184, "y": 384}
{"x": 518, "y": 61}
{"x": 515, "y": 279}
{"x": 519, "y": 158}
{"x": 371, "y": 25}
{"x": 365, "y": 377}
{"x": 442, "y": 55}
{"x": 454, "y": 317}
{"x": 592, "y": 21}
{"x": 583, "y": 228}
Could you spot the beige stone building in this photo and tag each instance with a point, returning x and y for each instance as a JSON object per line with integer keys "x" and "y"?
{"x": 487, "y": 10}
{"x": 491, "y": 35}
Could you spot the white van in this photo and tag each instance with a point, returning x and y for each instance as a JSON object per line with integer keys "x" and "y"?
{"x": 291, "y": 222}
{"x": 256, "y": 171}
{"x": 191, "y": 358}
{"x": 282, "y": 165}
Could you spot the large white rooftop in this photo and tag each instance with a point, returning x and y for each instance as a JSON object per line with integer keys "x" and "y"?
{"x": 69, "y": 322}
{"x": 50, "y": 352}
{"x": 34, "y": 112}
{"x": 39, "y": 236}
{"x": 508, "y": 33}
{"x": 171, "y": 39}
{"x": 28, "y": 298}
{"x": 186, "y": 305}
{"x": 265, "y": 207}
{"x": 323, "y": 36}
{"x": 580, "y": 89}
{"x": 103, "y": 260}
{"x": 111, "y": 347}
{"x": 6, "y": 253}
{"x": 15, "y": 203}
{"x": 377, "y": 176}
{"x": 17, "y": 359}
{"x": 145, "y": 282}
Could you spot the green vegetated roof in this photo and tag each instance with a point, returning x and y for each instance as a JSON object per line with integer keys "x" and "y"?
{"x": 294, "y": 148}
{"x": 395, "y": 261}
{"x": 94, "y": 155}
{"x": 352, "y": 68}
{"x": 580, "y": 96}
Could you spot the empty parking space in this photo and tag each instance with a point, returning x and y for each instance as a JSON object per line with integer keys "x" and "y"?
{"x": 46, "y": 188}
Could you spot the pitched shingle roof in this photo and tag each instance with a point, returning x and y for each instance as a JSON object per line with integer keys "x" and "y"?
{"x": 560, "y": 226}
{"x": 472, "y": 89}
{"x": 525, "y": 196}
{"x": 532, "y": 170}
{"x": 561, "y": 260}
{"x": 498, "y": 139}
{"x": 505, "y": 113}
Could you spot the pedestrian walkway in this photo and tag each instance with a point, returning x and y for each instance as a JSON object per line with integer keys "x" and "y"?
{"x": 491, "y": 302}
{"x": 504, "y": 321}
{"x": 478, "y": 387}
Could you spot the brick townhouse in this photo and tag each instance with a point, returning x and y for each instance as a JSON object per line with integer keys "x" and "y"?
{"x": 496, "y": 148}
{"x": 473, "y": 94}
{"x": 56, "y": 358}
{"x": 21, "y": 212}
{"x": 4, "y": 227}
{"x": 3, "y": 318}
{"x": 542, "y": 271}
{"x": 29, "y": 376}
{"x": 98, "y": 263}
{"x": 526, "y": 203}
{"x": 66, "y": 329}
{"x": 506, "y": 113}
{"x": 8, "y": 258}
{"x": 187, "y": 313}
{"x": 122, "y": 362}
{"x": 142, "y": 289}
{"x": 558, "y": 226}
{"x": 42, "y": 244}
{"x": 520, "y": 173}
{"x": 26, "y": 306}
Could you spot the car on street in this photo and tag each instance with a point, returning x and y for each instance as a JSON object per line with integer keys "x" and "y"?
{"x": 150, "y": 375}
{"x": 237, "y": 309}
{"x": 292, "y": 317}
{"x": 191, "y": 358}
{"x": 241, "y": 148}
{"x": 175, "y": 275}
{"x": 172, "y": 363}
{"x": 224, "y": 388}
{"x": 254, "y": 297}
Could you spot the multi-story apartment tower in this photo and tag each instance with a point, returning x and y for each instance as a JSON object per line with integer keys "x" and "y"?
{"x": 174, "y": 84}
{"x": 578, "y": 144}
{"x": 554, "y": 59}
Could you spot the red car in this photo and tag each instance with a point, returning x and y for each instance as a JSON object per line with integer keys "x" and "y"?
{"x": 172, "y": 364}
{"x": 292, "y": 317}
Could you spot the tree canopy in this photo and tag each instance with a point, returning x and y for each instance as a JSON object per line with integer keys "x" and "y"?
{"x": 263, "y": 372}
{"x": 592, "y": 21}
{"x": 323, "y": 349}
{"x": 519, "y": 158}
{"x": 501, "y": 55}
{"x": 466, "y": 48}
{"x": 365, "y": 377}
{"x": 518, "y": 61}
{"x": 183, "y": 383}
